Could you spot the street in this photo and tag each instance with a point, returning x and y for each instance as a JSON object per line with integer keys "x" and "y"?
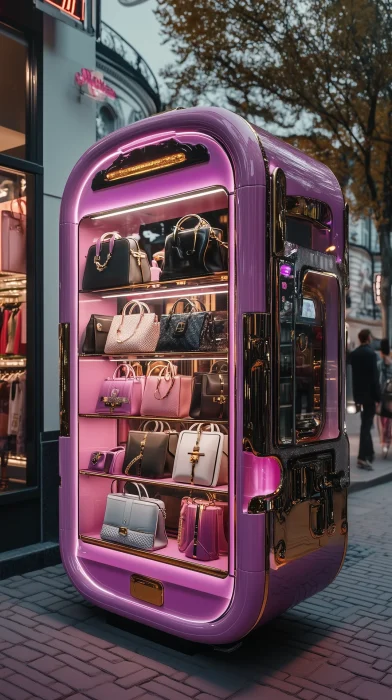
{"x": 336, "y": 645}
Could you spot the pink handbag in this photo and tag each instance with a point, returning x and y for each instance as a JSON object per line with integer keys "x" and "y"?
{"x": 13, "y": 240}
{"x": 201, "y": 532}
{"x": 108, "y": 462}
{"x": 121, "y": 395}
{"x": 167, "y": 394}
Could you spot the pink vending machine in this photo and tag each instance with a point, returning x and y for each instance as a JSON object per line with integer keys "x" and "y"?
{"x": 204, "y": 461}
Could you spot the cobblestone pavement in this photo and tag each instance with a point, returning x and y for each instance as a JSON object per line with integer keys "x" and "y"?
{"x": 336, "y": 646}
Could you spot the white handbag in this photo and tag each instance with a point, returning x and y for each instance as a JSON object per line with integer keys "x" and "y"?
{"x": 200, "y": 458}
{"x": 135, "y": 521}
{"x": 133, "y": 332}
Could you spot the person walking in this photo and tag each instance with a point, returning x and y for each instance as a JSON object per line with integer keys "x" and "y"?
{"x": 367, "y": 394}
{"x": 385, "y": 369}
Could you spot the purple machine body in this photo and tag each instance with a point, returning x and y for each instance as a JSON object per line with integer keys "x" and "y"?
{"x": 267, "y": 486}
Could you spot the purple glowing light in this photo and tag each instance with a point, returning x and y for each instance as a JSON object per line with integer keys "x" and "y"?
{"x": 285, "y": 270}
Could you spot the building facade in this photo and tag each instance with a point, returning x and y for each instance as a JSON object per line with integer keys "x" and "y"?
{"x": 47, "y": 120}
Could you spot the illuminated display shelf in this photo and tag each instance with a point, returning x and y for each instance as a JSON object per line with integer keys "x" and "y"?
{"x": 169, "y": 554}
{"x": 211, "y": 284}
{"x": 145, "y": 418}
{"x": 160, "y": 356}
{"x": 167, "y": 482}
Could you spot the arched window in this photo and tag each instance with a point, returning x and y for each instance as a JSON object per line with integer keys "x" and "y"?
{"x": 106, "y": 120}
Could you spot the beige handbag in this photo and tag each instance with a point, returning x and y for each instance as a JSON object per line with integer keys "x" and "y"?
{"x": 133, "y": 332}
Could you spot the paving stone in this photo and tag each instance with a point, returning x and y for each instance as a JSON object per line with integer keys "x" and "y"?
{"x": 382, "y": 665}
{"x": 137, "y": 678}
{"x": 163, "y": 691}
{"x": 260, "y": 692}
{"x": 43, "y": 648}
{"x": 58, "y": 645}
{"x": 46, "y": 664}
{"x": 87, "y": 639}
{"x": 361, "y": 669}
{"x": 88, "y": 668}
{"x": 25, "y": 670}
{"x": 216, "y": 684}
{"x": 79, "y": 680}
{"x": 13, "y": 691}
{"x": 178, "y": 687}
{"x": 111, "y": 691}
{"x": 307, "y": 695}
{"x": 78, "y": 612}
{"x": 22, "y": 653}
{"x": 120, "y": 669}
{"x": 32, "y": 688}
{"x": 373, "y": 691}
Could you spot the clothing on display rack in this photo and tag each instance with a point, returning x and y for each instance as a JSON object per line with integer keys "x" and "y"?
{"x": 13, "y": 410}
{"x": 12, "y": 329}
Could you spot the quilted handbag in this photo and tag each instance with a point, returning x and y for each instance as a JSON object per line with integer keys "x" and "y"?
{"x": 201, "y": 532}
{"x": 114, "y": 261}
{"x": 150, "y": 454}
{"x": 121, "y": 395}
{"x": 167, "y": 394}
{"x": 107, "y": 461}
{"x": 135, "y": 521}
{"x": 195, "y": 251}
{"x": 191, "y": 331}
{"x": 210, "y": 395}
{"x": 199, "y": 455}
{"x": 133, "y": 332}
{"x": 97, "y": 331}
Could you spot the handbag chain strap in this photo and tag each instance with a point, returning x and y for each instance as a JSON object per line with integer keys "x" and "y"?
{"x": 196, "y": 454}
{"x": 168, "y": 371}
{"x": 221, "y": 398}
{"x": 138, "y": 458}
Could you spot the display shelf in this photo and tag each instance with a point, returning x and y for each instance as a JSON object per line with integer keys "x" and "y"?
{"x": 146, "y": 418}
{"x": 169, "y": 554}
{"x": 218, "y": 280}
{"x": 167, "y": 482}
{"x": 12, "y": 362}
{"x": 161, "y": 356}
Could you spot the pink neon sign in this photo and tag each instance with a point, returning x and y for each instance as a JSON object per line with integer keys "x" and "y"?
{"x": 92, "y": 83}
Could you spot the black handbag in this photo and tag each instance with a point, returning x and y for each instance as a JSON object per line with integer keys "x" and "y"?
{"x": 191, "y": 331}
{"x": 150, "y": 455}
{"x": 114, "y": 261}
{"x": 97, "y": 331}
{"x": 194, "y": 252}
{"x": 210, "y": 395}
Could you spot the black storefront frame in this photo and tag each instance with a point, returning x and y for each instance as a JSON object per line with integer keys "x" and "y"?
{"x": 21, "y": 519}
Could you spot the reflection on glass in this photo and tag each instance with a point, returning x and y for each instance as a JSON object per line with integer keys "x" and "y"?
{"x": 13, "y": 340}
{"x": 308, "y": 369}
{"x": 286, "y": 318}
{"x": 13, "y": 76}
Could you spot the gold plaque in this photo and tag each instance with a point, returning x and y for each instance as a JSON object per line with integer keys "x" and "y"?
{"x": 147, "y": 589}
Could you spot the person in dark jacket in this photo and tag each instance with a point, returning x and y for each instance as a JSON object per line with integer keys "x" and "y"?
{"x": 367, "y": 394}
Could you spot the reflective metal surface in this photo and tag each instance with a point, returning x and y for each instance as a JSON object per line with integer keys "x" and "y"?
{"x": 257, "y": 328}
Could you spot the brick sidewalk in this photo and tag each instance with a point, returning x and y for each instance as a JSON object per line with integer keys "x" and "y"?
{"x": 336, "y": 646}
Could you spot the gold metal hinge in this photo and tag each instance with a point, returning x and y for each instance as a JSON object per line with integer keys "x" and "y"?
{"x": 64, "y": 342}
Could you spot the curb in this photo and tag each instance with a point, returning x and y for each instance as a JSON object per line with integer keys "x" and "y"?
{"x": 362, "y": 485}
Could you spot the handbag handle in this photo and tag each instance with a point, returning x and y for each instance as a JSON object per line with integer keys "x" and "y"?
{"x": 160, "y": 366}
{"x": 182, "y": 299}
{"x": 178, "y": 228}
{"x": 129, "y": 369}
{"x": 219, "y": 366}
{"x": 142, "y": 309}
{"x": 158, "y": 425}
{"x": 138, "y": 369}
{"x": 168, "y": 374}
{"x": 138, "y": 487}
{"x": 213, "y": 427}
{"x": 114, "y": 236}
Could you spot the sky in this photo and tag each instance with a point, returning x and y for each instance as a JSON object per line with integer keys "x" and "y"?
{"x": 139, "y": 26}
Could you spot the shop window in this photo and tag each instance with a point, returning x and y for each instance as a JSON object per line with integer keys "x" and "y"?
{"x": 13, "y": 334}
{"x": 106, "y": 121}
{"x": 13, "y": 82}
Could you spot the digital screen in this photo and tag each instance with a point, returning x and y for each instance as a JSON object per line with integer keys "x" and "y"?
{"x": 308, "y": 309}
{"x": 73, "y": 8}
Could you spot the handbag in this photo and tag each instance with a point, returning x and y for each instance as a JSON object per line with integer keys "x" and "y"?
{"x": 121, "y": 395}
{"x": 107, "y": 461}
{"x": 191, "y": 331}
{"x": 167, "y": 394}
{"x": 201, "y": 533}
{"x": 195, "y": 251}
{"x": 97, "y": 331}
{"x": 198, "y": 458}
{"x": 135, "y": 521}
{"x": 386, "y": 400}
{"x": 114, "y": 261}
{"x": 13, "y": 239}
{"x": 210, "y": 394}
{"x": 133, "y": 332}
{"x": 150, "y": 454}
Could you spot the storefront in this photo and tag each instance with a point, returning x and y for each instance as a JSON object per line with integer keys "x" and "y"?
{"x": 21, "y": 187}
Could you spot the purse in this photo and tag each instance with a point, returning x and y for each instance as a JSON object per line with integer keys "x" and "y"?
{"x": 121, "y": 395}
{"x": 210, "y": 394}
{"x": 201, "y": 533}
{"x": 150, "y": 454}
{"x": 97, "y": 331}
{"x": 108, "y": 462}
{"x": 135, "y": 521}
{"x": 190, "y": 331}
{"x": 195, "y": 251}
{"x": 114, "y": 261}
{"x": 199, "y": 455}
{"x": 13, "y": 239}
{"x": 133, "y": 332}
{"x": 167, "y": 394}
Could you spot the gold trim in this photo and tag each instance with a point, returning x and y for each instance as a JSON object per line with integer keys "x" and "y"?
{"x": 210, "y": 571}
{"x": 216, "y": 278}
{"x": 144, "y": 418}
{"x": 149, "y": 167}
{"x": 64, "y": 347}
{"x": 153, "y": 482}
{"x": 278, "y": 211}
